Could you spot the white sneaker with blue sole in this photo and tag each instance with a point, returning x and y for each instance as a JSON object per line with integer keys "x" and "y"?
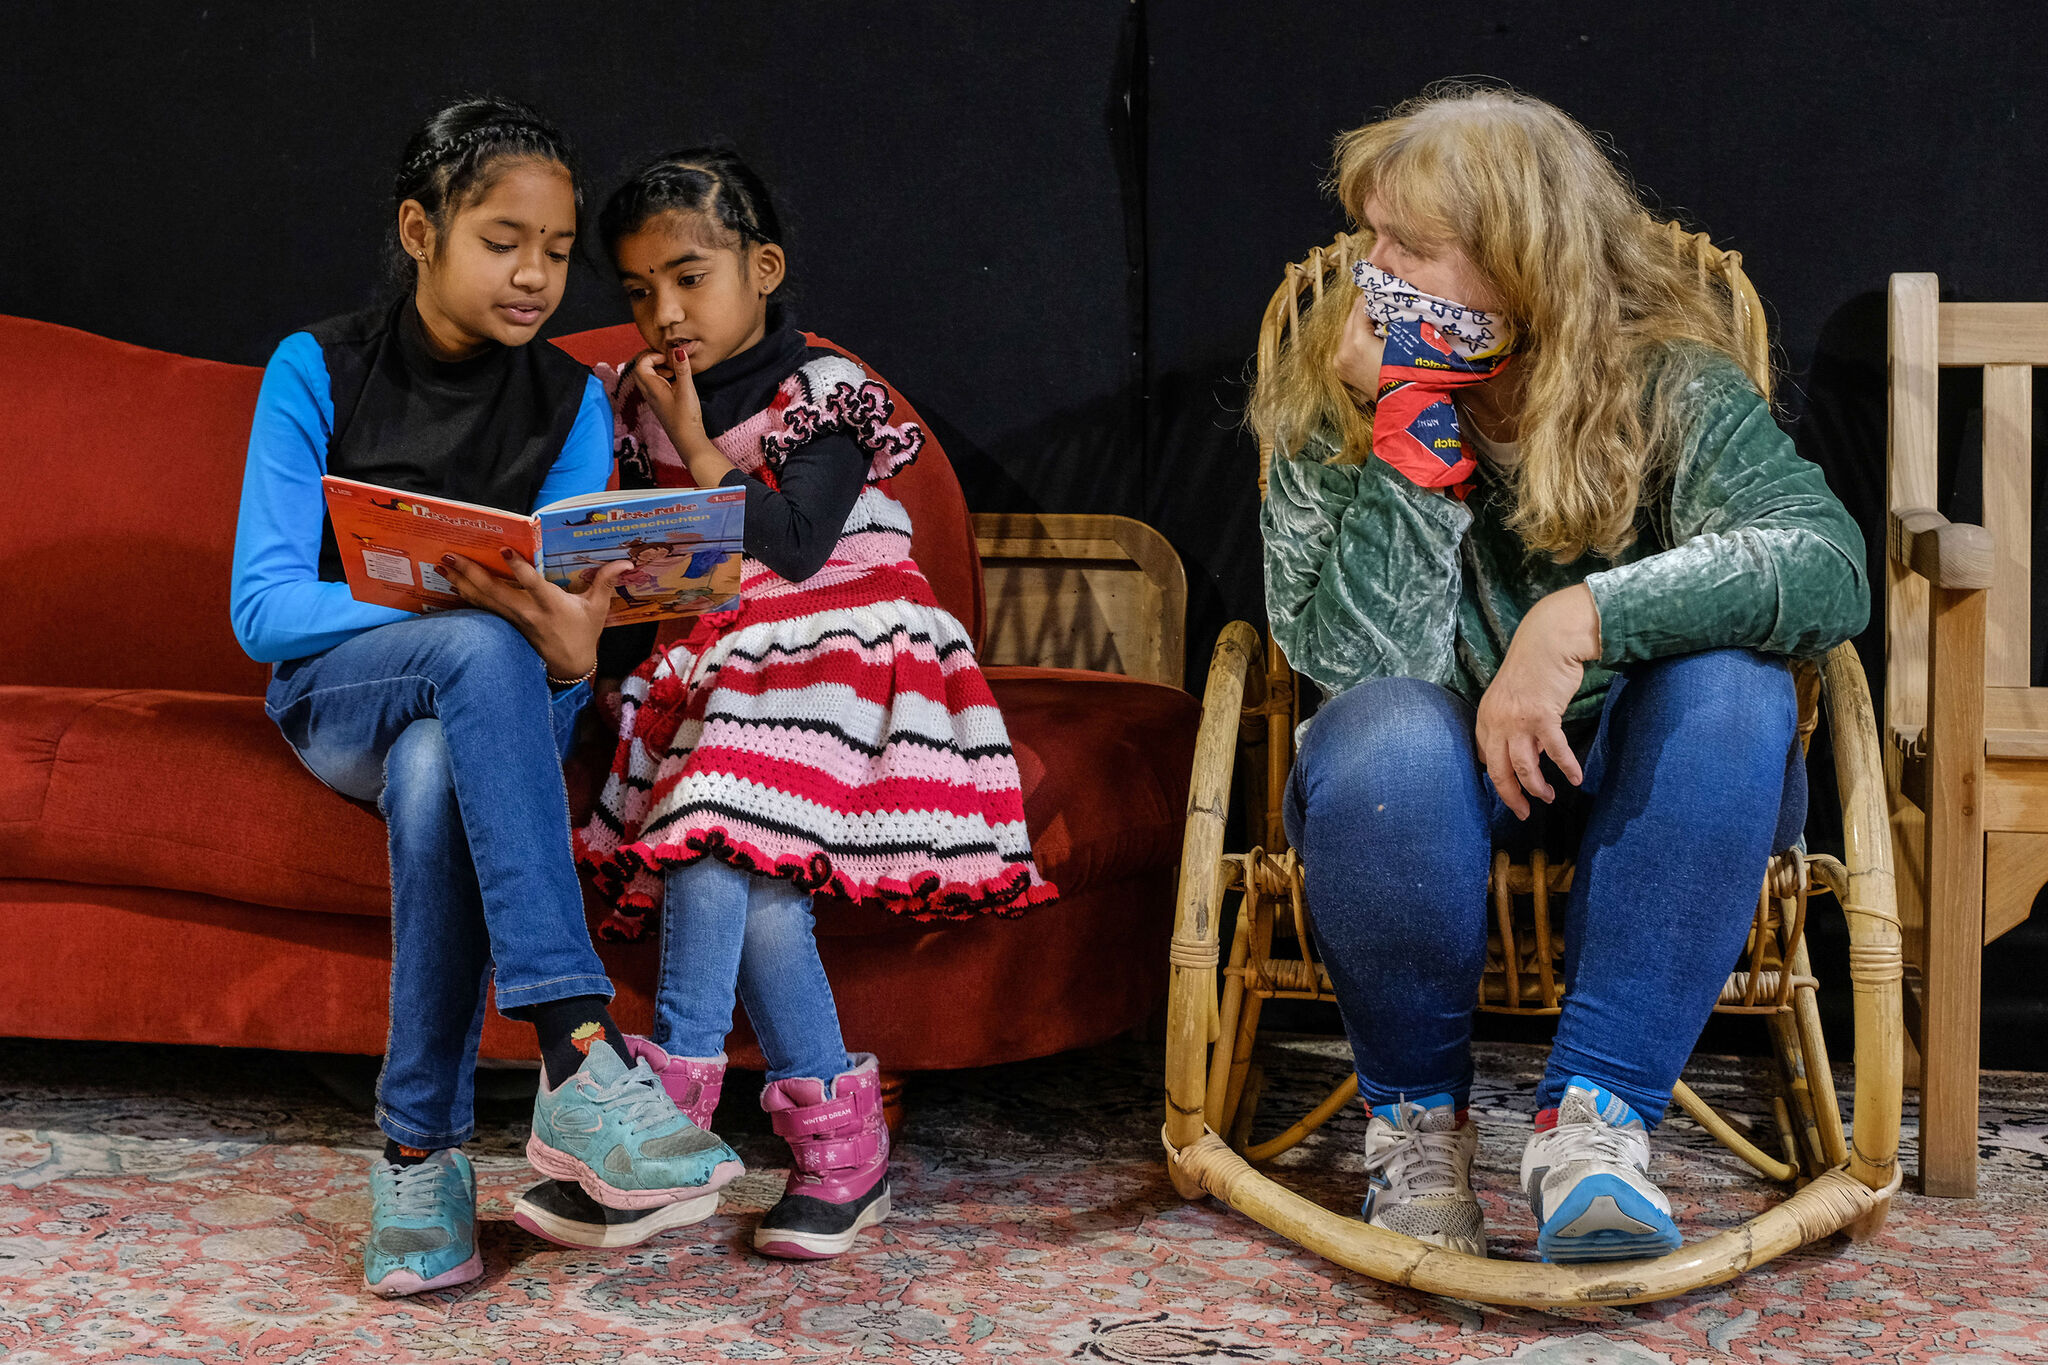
{"x": 1588, "y": 1181}
{"x": 1418, "y": 1157}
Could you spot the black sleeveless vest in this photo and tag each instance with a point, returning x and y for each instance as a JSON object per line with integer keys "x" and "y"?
{"x": 485, "y": 430}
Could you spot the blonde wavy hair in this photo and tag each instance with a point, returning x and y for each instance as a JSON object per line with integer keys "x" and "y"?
{"x": 1588, "y": 281}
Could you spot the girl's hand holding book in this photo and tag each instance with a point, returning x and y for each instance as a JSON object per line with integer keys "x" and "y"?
{"x": 561, "y": 626}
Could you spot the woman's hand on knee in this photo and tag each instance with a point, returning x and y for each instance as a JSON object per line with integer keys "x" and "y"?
{"x": 561, "y": 626}
{"x": 1521, "y": 715}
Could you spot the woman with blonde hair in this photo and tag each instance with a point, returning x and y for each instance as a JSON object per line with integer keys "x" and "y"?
{"x": 1535, "y": 535}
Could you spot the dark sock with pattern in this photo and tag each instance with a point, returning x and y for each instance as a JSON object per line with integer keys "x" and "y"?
{"x": 398, "y": 1154}
{"x": 567, "y": 1028}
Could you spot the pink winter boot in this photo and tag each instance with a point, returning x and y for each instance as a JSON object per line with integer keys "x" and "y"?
{"x": 840, "y": 1183}
{"x": 692, "y": 1082}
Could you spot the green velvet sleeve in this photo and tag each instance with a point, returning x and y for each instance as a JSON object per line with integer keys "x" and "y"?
{"x": 1763, "y": 556}
{"x": 1362, "y": 572}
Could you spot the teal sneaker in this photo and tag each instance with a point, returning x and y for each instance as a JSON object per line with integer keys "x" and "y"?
{"x": 615, "y": 1131}
{"x": 422, "y": 1226}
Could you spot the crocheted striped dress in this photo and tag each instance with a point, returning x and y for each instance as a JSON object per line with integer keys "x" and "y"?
{"x": 835, "y": 731}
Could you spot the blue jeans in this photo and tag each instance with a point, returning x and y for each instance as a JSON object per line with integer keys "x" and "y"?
{"x": 721, "y": 928}
{"x": 1693, "y": 777}
{"x": 447, "y": 723}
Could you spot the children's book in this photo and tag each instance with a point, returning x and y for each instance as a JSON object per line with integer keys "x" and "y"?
{"x": 683, "y": 545}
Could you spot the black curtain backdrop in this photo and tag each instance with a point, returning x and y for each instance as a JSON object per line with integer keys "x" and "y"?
{"x": 207, "y": 178}
{"x": 1055, "y": 225}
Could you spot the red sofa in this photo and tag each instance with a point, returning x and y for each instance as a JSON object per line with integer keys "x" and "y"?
{"x": 170, "y": 873}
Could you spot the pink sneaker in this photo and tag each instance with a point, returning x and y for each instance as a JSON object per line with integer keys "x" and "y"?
{"x": 692, "y": 1082}
{"x": 840, "y": 1147}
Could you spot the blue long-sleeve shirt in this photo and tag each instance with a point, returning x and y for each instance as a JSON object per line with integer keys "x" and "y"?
{"x": 279, "y": 606}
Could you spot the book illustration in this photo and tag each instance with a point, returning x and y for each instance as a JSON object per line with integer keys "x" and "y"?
{"x": 683, "y": 545}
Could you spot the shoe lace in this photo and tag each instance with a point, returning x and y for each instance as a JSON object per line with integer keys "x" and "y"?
{"x": 1426, "y": 1162}
{"x": 1597, "y": 1140}
{"x": 415, "y": 1189}
{"x": 636, "y": 1100}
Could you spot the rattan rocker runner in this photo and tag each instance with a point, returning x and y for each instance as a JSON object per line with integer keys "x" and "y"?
{"x": 1844, "y": 1181}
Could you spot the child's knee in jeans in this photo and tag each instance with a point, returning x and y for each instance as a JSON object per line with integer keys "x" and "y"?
{"x": 418, "y": 776}
{"x": 481, "y": 639}
{"x": 779, "y": 915}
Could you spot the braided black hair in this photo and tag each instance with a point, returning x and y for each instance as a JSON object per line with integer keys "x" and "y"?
{"x": 460, "y": 152}
{"x": 712, "y": 181}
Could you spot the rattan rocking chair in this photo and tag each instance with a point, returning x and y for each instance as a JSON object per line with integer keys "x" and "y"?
{"x": 1844, "y": 1181}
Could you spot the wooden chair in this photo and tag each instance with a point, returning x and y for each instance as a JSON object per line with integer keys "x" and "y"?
{"x": 1845, "y": 1181}
{"x": 1967, "y": 761}
{"x": 1068, "y": 590}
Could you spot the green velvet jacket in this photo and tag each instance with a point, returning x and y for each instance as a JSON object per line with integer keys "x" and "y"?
{"x": 1369, "y": 576}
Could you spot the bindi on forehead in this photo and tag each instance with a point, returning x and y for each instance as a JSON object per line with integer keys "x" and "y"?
{"x": 520, "y": 225}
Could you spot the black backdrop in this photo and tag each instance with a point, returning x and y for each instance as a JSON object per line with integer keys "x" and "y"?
{"x": 1054, "y": 225}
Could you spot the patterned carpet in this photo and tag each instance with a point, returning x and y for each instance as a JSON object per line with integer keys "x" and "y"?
{"x": 161, "y": 1204}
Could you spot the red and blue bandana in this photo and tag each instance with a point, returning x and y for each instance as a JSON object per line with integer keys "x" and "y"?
{"x": 1434, "y": 348}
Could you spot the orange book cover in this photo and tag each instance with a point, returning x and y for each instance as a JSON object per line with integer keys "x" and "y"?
{"x": 392, "y": 542}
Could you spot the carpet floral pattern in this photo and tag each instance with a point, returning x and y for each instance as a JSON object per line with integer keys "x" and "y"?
{"x": 166, "y": 1205}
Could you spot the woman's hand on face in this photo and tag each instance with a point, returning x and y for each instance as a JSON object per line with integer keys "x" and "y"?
{"x": 1521, "y": 715}
{"x": 561, "y": 626}
{"x": 1357, "y": 358}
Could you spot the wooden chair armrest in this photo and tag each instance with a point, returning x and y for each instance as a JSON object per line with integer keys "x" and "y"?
{"x": 1953, "y": 555}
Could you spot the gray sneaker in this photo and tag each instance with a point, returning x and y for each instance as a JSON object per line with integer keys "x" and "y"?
{"x": 1420, "y": 1160}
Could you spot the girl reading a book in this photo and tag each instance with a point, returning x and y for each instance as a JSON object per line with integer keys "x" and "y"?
{"x": 832, "y": 735}
{"x": 455, "y": 723}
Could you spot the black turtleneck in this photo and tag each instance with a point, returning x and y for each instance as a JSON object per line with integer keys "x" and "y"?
{"x": 741, "y": 385}
{"x": 791, "y": 529}
{"x": 485, "y": 430}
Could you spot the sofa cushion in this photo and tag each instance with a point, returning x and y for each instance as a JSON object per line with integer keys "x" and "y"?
{"x": 124, "y": 467}
{"x": 197, "y": 792}
{"x": 1105, "y": 762}
{"x": 188, "y": 791}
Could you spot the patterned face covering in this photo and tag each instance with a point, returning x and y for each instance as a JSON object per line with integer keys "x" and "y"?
{"x": 1434, "y": 348}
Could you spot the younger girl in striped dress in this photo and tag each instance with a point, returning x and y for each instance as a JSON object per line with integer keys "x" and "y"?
{"x": 833, "y": 734}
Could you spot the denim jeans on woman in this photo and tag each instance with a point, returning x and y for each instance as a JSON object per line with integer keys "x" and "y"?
{"x": 448, "y": 724}
{"x": 1693, "y": 777}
